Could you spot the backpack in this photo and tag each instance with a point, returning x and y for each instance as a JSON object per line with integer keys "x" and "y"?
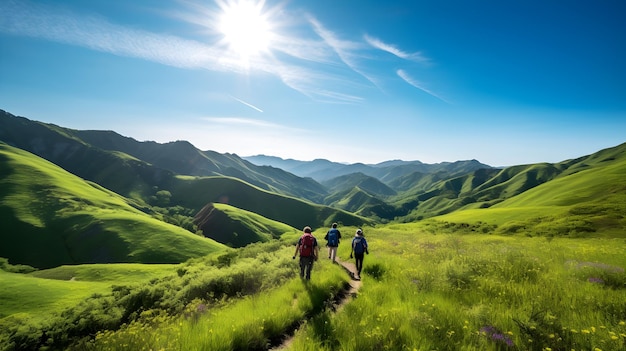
{"x": 306, "y": 245}
{"x": 359, "y": 245}
{"x": 333, "y": 238}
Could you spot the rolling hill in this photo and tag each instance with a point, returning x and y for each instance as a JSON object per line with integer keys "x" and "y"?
{"x": 237, "y": 202}
{"x": 52, "y": 217}
{"x": 586, "y": 197}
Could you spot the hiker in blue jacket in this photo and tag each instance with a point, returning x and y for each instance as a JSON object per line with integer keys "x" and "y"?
{"x": 332, "y": 241}
{"x": 359, "y": 249}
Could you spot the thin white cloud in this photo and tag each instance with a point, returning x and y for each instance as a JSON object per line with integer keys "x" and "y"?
{"x": 247, "y": 104}
{"x": 342, "y": 48}
{"x": 55, "y": 24}
{"x": 415, "y": 83}
{"x": 324, "y": 68}
{"x": 378, "y": 44}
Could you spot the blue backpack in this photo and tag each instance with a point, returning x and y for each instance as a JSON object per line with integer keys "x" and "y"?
{"x": 333, "y": 239}
{"x": 359, "y": 245}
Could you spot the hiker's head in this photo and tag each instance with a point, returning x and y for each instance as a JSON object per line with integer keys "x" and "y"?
{"x": 359, "y": 232}
{"x": 307, "y": 229}
{"x": 334, "y": 225}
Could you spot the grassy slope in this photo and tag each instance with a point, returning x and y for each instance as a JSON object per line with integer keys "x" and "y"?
{"x": 23, "y": 294}
{"x": 196, "y": 192}
{"x": 54, "y": 218}
{"x": 237, "y": 227}
{"x": 118, "y": 273}
{"x": 31, "y": 296}
{"x": 593, "y": 199}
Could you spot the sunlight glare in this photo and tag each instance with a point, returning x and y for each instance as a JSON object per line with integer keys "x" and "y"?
{"x": 246, "y": 28}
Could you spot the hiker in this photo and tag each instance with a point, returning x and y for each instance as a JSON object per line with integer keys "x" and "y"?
{"x": 332, "y": 241}
{"x": 308, "y": 250}
{"x": 359, "y": 248}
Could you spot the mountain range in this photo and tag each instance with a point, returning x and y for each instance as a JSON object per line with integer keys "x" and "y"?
{"x": 219, "y": 199}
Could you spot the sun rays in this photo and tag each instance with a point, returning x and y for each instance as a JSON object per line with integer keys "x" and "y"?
{"x": 246, "y": 28}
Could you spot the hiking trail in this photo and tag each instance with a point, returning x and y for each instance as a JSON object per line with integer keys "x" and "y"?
{"x": 342, "y": 299}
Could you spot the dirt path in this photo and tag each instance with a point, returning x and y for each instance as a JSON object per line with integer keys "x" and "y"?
{"x": 343, "y": 298}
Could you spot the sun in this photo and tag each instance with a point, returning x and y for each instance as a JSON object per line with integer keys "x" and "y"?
{"x": 245, "y": 27}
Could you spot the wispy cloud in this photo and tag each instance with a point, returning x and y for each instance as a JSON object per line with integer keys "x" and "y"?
{"x": 378, "y": 44}
{"x": 247, "y": 104}
{"x": 321, "y": 64}
{"x": 343, "y": 48}
{"x": 410, "y": 80}
{"x": 56, "y": 24}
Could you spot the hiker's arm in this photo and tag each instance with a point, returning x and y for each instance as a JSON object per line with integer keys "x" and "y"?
{"x": 317, "y": 251}
{"x": 296, "y": 253}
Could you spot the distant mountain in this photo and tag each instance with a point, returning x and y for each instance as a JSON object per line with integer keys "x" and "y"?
{"x": 582, "y": 197}
{"x": 146, "y": 164}
{"x": 365, "y": 182}
{"x": 241, "y": 200}
{"x": 322, "y": 170}
{"x": 120, "y": 164}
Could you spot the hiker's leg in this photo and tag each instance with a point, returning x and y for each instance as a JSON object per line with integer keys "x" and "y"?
{"x": 302, "y": 266}
{"x": 359, "y": 263}
{"x": 333, "y": 253}
{"x": 330, "y": 252}
{"x": 309, "y": 267}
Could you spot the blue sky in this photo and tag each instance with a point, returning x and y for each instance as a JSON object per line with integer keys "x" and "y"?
{"x": 503, "y": 82}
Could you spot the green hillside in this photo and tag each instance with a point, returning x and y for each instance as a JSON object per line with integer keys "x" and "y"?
{"x": 589, "y": 198}
{"x": 21, "y": 294}
{"x": 52, "y": 217}
{"x": 196, "y": 192}
{"x": 236, "y": 227}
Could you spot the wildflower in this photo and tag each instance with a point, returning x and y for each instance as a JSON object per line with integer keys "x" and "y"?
{"x": 496, "y": 336}
{"x": 614, "y": 337}
{"x": 585, "y": 331}
{"x": 595, "y": 280}
{"x": 622, "y": 323}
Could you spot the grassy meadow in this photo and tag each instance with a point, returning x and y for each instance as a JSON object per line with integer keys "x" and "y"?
{"x": 542, "y": 270}
{"x": 420, "y": 291}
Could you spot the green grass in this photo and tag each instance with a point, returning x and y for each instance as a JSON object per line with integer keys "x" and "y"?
{"x": 122, "y": 273}
{"x": 62, "y": 219}
{"x": 238, "y": 228}
{"x": 424, "y": 288}
{"x": 480, "y": 292}
{"x": 588, "y": 203}
{"x": 36, "y": 298}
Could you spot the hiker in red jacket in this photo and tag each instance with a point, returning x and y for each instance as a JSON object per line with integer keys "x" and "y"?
{"x": 308, "y": 250}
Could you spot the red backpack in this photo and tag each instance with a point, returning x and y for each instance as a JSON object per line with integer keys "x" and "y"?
{"x": 306, "y": 247}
